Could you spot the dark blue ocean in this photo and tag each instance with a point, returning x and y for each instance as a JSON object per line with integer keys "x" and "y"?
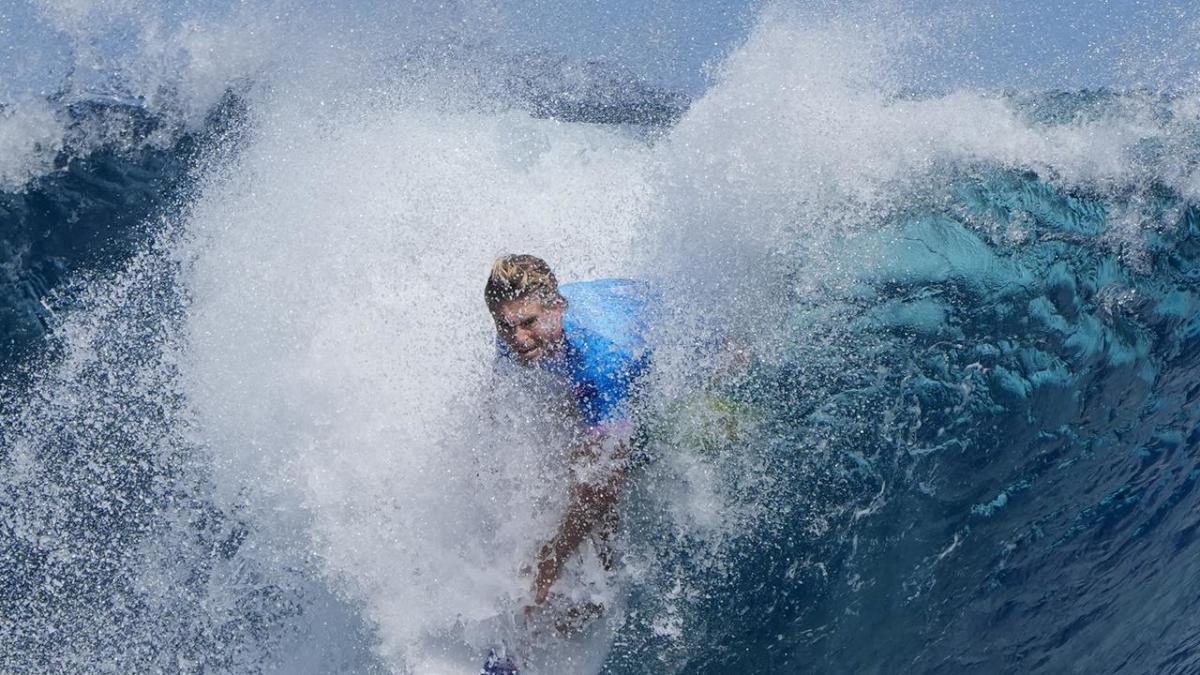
{"x": 247, "y": 425}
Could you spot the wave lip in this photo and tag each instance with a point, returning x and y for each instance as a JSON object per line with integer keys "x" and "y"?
{"x": 976, "y": 329}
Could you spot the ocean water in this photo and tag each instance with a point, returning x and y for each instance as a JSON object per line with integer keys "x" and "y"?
{"x": 248, "y": 419}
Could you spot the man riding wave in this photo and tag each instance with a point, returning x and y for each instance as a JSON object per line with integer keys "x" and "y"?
{"x": 593, "y": 335}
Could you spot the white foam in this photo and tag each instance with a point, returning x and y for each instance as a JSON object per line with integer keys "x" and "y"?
{"x": 339, "y": 339}
{"x": 30, "y": 138}
{"x": 337, "y": 349}
{"x": 806, "y": 137}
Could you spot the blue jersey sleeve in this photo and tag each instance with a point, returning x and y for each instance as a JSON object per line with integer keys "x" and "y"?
{"x": 605, "y": 326}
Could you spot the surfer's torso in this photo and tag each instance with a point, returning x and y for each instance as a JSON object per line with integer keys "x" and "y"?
{"x": 604, "y": 351}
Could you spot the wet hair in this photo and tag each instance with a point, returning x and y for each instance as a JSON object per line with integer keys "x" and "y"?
{"x": 516, "y": 276}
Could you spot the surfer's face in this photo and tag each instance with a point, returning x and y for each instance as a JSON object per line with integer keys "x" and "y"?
{"x": 531, "y": 327}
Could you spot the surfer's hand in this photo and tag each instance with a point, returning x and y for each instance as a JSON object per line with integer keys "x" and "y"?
{"x": 538, "y": 606}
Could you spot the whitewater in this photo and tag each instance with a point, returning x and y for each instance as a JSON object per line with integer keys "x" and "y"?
{"x": 249, "y": 422}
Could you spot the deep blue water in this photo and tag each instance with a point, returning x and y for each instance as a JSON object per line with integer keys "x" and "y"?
{"x": 994, "y": 414}
{"x": 95, "y": 208}
{"x": 1022, "y": 420}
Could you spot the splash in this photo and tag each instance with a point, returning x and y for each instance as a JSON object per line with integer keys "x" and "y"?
{"x": 274, "y": 432}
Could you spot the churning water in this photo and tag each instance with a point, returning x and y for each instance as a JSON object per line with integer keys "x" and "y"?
{"x": 249, "y": 423}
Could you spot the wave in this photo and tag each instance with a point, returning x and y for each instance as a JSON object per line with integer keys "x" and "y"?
{"x": 255, "y": 432}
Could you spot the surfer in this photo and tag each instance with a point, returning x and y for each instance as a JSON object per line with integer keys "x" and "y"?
{"x": 592, "y": 335}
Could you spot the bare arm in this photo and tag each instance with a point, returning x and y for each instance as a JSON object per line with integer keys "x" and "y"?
{"x": 592, "y": 501}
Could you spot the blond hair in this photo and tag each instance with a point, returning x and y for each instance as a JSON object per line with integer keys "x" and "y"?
{"x": 515, "y": 276}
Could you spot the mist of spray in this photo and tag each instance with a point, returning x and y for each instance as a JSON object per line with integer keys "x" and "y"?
{"x": 308, "y": 347}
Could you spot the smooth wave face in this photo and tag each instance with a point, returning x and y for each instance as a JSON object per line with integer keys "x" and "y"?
{"x": 258, "y": 431}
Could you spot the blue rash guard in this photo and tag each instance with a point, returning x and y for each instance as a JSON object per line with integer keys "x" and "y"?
{"x": 605, "y": 350}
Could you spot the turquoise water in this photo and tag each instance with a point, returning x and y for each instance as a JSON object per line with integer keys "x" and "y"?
{"x": 248, "y": 426}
